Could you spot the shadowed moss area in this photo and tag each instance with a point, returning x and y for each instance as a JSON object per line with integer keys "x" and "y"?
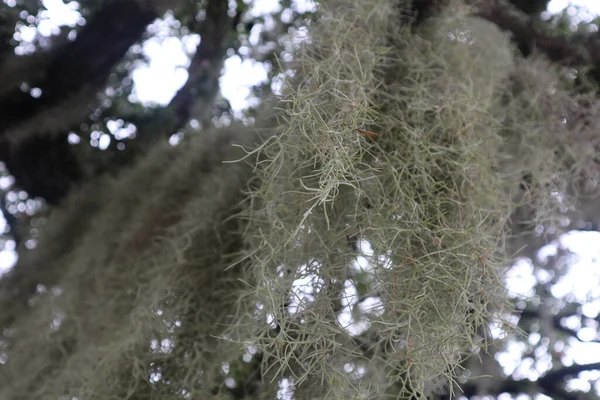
{"x": 351, "y": 243}
{"x": 142, "y": 289}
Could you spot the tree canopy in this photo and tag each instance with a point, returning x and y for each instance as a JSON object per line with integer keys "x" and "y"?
{"x": 348, "y": 236}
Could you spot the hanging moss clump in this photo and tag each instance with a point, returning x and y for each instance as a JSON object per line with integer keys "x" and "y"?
{"x": 348, "y": 246}
{"x": 404, "y": 158}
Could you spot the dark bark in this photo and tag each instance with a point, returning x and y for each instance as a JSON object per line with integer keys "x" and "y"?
{"x": 552, "y": 382}
{"x": 205, "y": 68}
{"x": 43, "y": 166}
{"x": 531, "y": 7}
{"x": 584, "y": 51}
{"x": 517, "y": 17}
{"x": 42, "y": 161}
{"x": 10, "y": 219}
{"x": 37, "y": 153}
{"x": 423, "y": 9}
{"x": 196, "y": 97}
{"x": 508, "y": 386}
{"x": 86, "y": 61}
{"x": 556, "y": 323}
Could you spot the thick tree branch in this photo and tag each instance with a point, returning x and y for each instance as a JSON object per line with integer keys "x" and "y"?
{"x": 551, "y": 382}
{"x": 507, "y": 385}
{"x": 205, "y": 68}
{"x": 196, "y": 97}
{"x": 44, "y": 166}
{"x": 83, "y": 65}
{"x": 556, "y": 323}
{"x": 34, "y": 129}
{"x": 561, "y": 50}
{"x": 531, "y": 7}
{"x": 85, "y": 62}
{"x": 562, "y": 373}
{"x": 508, "y": 17}
{"x": 10, "y": 219}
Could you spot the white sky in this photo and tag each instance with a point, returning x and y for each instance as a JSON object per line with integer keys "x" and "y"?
{"x": 556, "y": 6}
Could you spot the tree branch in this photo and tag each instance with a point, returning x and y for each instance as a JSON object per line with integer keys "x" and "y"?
{"x": 33, "y": 135}
{"x": 551, "y": 381}
{"x": 44, "y": 166}
{"x": 205, "y": 68}
{"x": 561, "y": 50}
{"x": 556, "y": 324}
{"x": 562, "y": 373}
{"x": 196, "y": 97}
{"x": 70, "y": 80}
{"x": 85, "y": 62}
{"x": 10, "y": 219}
